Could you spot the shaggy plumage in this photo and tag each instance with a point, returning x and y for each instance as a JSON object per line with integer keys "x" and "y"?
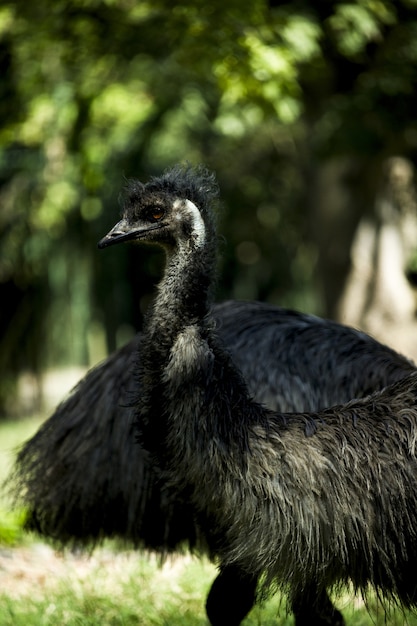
{"x": 291, "y": 361}
{"x": 72, "y": 492}
{"x": 300, "y": 499}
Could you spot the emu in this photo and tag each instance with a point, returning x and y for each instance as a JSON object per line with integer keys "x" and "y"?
{"x": 307, "y": 501}
{"x": 62, "y": 476}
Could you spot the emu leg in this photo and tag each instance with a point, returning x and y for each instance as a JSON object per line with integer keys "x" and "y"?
{"x": 233, "y": 594}
{"x": 314, "y": 608}
{"x": 231, "y": 597}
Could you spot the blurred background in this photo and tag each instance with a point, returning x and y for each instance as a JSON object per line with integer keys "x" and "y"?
{"x": 306, "y": 111}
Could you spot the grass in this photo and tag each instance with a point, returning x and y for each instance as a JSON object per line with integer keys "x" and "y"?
{"x": 125, "y": 590}
{"x": 120, "y": 588}
{"x": 12, "y": 435}
{"x": 136, "y": 591}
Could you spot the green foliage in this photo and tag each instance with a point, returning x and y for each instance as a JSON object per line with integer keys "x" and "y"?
{"x": 95, "y": 91}
{"x": 357, "y": 24}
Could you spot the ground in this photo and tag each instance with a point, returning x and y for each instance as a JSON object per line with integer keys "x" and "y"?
{"x": 36, "y": 566}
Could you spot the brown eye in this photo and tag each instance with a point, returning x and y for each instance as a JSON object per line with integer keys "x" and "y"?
{"x": 156, "y": 214}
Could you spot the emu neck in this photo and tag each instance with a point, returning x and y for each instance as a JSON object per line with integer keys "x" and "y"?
{"x": 184, "y": 293}
{"x": 182, "y": 303}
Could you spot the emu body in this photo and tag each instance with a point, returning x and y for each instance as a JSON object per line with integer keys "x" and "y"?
{"x": 291, "y": 361}
{"x": 307, "y": 499}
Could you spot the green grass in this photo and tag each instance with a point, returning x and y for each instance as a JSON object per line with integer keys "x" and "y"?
{"x": 12, "y": 434}
{"x": 136, "y": 591}
{"x": 116, "y": 588}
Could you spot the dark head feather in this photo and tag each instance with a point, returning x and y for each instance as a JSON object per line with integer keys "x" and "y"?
{"x": 194, "y": 183}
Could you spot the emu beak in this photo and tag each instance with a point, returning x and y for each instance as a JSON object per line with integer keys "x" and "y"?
{"x": 122, "y": 231}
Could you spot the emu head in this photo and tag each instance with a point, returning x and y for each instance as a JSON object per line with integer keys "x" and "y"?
{"x": 170, "y": 210}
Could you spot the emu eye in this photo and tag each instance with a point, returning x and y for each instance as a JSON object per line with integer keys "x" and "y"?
{"x": 156, "y": 214}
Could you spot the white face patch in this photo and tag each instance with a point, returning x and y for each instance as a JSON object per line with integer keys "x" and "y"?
{"x": 188, "y": 207}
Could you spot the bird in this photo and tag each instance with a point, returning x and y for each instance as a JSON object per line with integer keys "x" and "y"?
{"x": 304, "y": 501}
{"x": 62, "y": 477}
{"x": 71, "y": 493}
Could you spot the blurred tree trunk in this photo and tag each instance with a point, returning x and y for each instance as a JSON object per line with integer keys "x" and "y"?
{"x": 364, "y": 223}
{"x": 378, "y": 296}
{"x": 336, "y": 205}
